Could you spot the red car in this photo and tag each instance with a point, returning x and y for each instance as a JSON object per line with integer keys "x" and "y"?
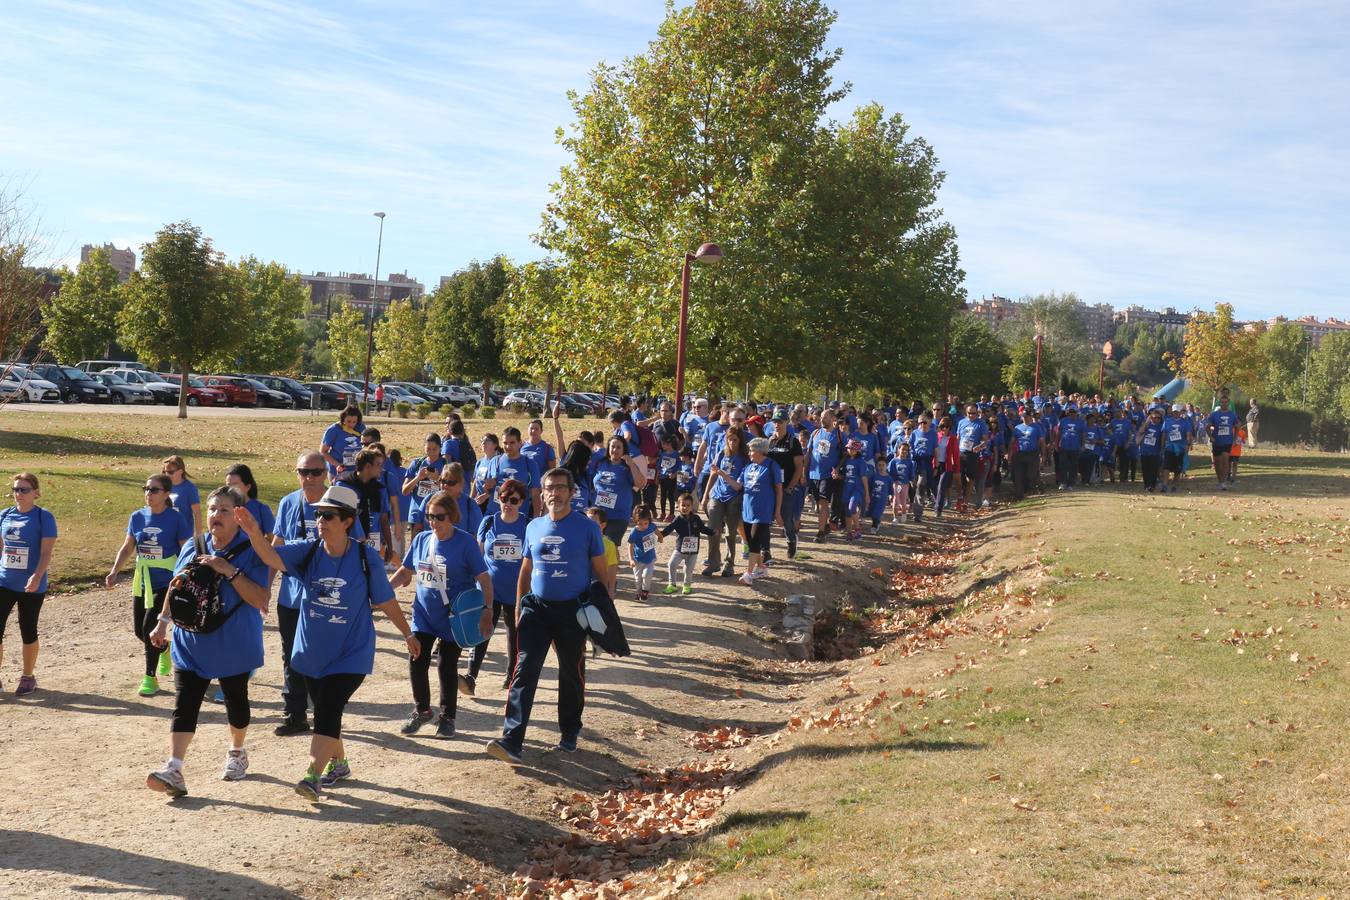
{"x": 237, "y": 391}
{"x": 198, "y": 393}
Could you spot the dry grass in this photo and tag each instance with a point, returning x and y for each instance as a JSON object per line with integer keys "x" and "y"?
{"x": 1133, "y": 747}
{"x": 92, "y": 466}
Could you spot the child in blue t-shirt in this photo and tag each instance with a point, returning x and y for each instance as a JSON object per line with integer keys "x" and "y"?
{"x": 642, "y": 550}
{"x": 667, "y": 464}
{"x": 684, "y": 472}
{"x": 879, "y": 485}
{"x": 901, "y": 470}
{"x": 853, "y": 472}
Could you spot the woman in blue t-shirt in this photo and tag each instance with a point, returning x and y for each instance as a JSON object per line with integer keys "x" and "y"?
{"x": 341, "y": 441}
{"x": 342, "y": 579}
{"x": 501, "y": 537}
{"x": 29, "y": 533}
{"x": 228, "y": 654}
{"x": 240, "y": 476}
{"x": 613, "y": 482}
{"x": 183, "y": 494}
{"x": 424, "y": 480}
{"x": 446, "y": 562}
{"x": 155, "y": 534}
{"x": 484, "y": 481}
{"x": 1150, "y": 437}
{"x": 723, "y": 501}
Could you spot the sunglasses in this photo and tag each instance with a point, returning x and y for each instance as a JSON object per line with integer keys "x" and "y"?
{"x": 438, "y": 517}
{"x": 310, "y": 473}
{"x": 153, "y": 489}
{"x": 327, "y": 515}
{"x": 511, "y": 499}
{"x": 21, "y": 490}
{"x": 449, "y": 482}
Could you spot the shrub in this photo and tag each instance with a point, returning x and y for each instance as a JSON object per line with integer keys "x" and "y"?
{"x": 1283, "y": 424}
{"x": 468, "y": 410}
{"x": 534, "y": 410}
{"x": 576, "y": 414}
{"x": 423, "y": 410}
{"x": 402, "y": 408}
{"x": 446, "y": 409}
{"x": 515, "y": 409}
{"x": 489, "y": 412}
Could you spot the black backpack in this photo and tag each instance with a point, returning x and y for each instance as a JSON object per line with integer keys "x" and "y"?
{"x": 194, "y": 595}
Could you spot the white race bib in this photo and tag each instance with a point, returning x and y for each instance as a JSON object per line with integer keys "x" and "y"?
{"x": 1222, "y": 431}
{"x": 429, "y": 575}
{"x": 606, "y": 499}
{"x": 651, "y": 471}
{"x": 649, "y": 543}
{"x": 967, "y": 445}
{"x": 150, "y": 550}
{"x": 689, "y": 544}
{"x": 373, "y": 541}
{"x": 349, "y": 458}
{"x": 16, "y": 557}
{"x": 506, "y": 548}
{"x": 1150, "y": 439}
{"x": 426, "y": 488}
{"x": 667, "y": 466}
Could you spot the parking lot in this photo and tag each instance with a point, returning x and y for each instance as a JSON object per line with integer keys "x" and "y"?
{"x": 196, "y": 412}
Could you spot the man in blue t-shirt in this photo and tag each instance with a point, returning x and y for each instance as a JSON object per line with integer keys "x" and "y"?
{"x": 1070, "y": 445}
{"x": 1028, "y": 443}
{"x": 1222, "y": 426}
{"x": 563, "y": 553}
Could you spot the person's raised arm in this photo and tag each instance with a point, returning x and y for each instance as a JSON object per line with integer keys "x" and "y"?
{"x": 257, "y": 540}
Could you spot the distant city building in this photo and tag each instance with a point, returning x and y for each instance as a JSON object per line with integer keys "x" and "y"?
{"x": 1137, "y": 315}
{"x": 124, "y": 261}
{"x": 1099, "y": 321}
{"x": 1314, "y": 329}
{"x": 324, "y": 287}
{"x": 994, "y": 311}
{"x": 1170, "y": 318}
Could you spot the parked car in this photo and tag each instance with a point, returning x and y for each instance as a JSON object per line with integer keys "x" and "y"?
{"x": 198, "y": 393}
{"x": 331, "y": 396}
{"x": 34, "y": 387}
{"x": 164, "y": 392}
{"x": 237, "y": 391}
{"x": 98, "y": 365}
{"x": 588, "y": 402}
{"x": 74, "y": 385}
{"x": 297, "y": 391}
{"x": 525, "y": 397}
{"x": 269, "y": 398}
{"x": 423, "y": 393}
{"x": 124, "y": 391}
{"x": 354, "y": 390}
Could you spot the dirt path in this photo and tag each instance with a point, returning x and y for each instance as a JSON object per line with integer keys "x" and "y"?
{"x": 420, "y": 816}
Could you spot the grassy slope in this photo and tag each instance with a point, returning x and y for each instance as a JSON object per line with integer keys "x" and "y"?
{"x": 1164, "y": 762}
{"x": 92, "y": 467}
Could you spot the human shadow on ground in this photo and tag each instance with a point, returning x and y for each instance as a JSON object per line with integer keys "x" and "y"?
{"x": 157, "y": 875}
{"x": 52, "y": 445}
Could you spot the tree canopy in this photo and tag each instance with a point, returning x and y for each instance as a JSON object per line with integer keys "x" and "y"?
{"x": 1217, "y": 353}
{"x": 400, "y": 343}
{"x": 347, "y": 341}
{"x": 465, "y": 337}
{"x": 81, "y": 318}
{"x": 274, "y": 304}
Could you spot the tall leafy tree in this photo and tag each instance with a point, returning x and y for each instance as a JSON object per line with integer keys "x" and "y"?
{"x": 1329, "y": 377}
{"x": 183, "y": 304}
{"x": 400, "y": 343}
{"x": 20, "y": 284}
{"x": 81, "y": 319}
{"x": 465, "y": 337}
{"x": 1019, "y": 372}
{"x": 272, "y": 315}
{"x": 977, "y": 358}
{"x": 1217, "y": 353}
{"x": 1284, "y": 351}
{"x": 347, "y": 341}
{"x": 717, "y": 133}
{"x": 1057, "y": 318}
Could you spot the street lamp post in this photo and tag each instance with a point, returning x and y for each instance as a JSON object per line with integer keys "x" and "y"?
{"x": 370, "y": 315}
{"x": 707, "y": 254}
{"x": 1040, "y": 339}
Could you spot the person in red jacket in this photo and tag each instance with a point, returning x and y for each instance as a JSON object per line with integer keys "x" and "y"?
{"x": 946, "y": 463}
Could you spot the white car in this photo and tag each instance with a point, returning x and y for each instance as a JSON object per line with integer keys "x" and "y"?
{"x": 24, "y": 385}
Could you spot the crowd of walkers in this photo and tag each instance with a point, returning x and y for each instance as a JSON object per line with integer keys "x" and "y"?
{"x": 535, "y": 533}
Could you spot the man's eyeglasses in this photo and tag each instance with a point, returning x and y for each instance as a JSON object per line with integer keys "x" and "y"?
{"x": 309, "y": 473}
{"x": 437, "y": 517}
{"x": 557, "y": 488}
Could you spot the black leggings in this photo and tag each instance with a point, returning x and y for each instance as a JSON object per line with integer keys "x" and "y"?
{"x": 330, "y": 695}
{"x": 1150, "y": 465}
{"x": 668, "y": 495}
{"x": 192, "y": 689}
{"x": 30, "y": 607}
{"x": 479, "y": 652}
{"x": 419, "y": 669}
{"x": 143, "y": 622}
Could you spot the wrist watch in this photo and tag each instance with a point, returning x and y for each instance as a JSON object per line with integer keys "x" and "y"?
{"x": 165, "y": 619}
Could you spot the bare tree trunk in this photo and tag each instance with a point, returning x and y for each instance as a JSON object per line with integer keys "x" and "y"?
{"x": 183, "y": 390}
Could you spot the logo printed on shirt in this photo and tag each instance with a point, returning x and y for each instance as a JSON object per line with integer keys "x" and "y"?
{"x": 552, "y": 550}
{"x": 329, "y": 591}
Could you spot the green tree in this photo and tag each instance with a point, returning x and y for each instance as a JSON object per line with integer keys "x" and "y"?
{"x": 1057, "y": 318}
{"x": 183, "y": 304}
{"x": 347, "y": 341}
{"x": 715, "y": 133}
{"x": 1019, "y": 372}
{"x": 1284, "y": 351}
{"x": 21, "y": 285}
{"x": 81, "y": 319}
{"x": 977, "y": 357}
{"x": 400, "y": 343}
{"x": 315, "y": 358}
{"x": 1329, "y": 377}
{"x": 274, "y": 306}
{"x": 1218, "y": 354}
{"x": 465, "y": 337}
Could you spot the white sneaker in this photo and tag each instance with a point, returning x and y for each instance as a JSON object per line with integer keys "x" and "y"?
{"x": 167, "y": 781}
{"x": 236, "y": 765}
{"x": 761, "y": 572}
{"x": 747, "y": 579}
{"x": 984, "y": 504}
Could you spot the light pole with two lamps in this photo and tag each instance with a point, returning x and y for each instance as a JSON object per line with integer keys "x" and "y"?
{"x": 370, "y": 316}
{"x": 707, "y": 254}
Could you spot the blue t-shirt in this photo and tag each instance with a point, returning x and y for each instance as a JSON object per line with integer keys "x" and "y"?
{"x": 761, "y": 498}
{"x": 560, "y": 555}
{"x": 183, "y": 497}
{"x": 901, "y": 470}
{"x": 542, "y": 454}
{"x": 880, "y": 485}
{"x": 482, "y": 472}
{"x": 158, "y": 536}
{"x": 628, "y": 431}
{"x": 236, "y": 646}
{"x": 295, "y": 522}
{"x": 1151, "y": 439}
{"x": 923, "y": 441}
{"x": 336, "y": 631}
{"x": 1028, "y": 437}
{"x": 503, "y": 549}
{"x": 1176, "y": 430}
{"x": 263, "y": 513}
{"x": 684, "y": 477}
{"x": 443, "y": 570}
{"x": 1121, "y": 431}
{"x": 693, "y": 426}
{"x": 971, "y": 432}
{"x": 23, "y": 534}
{"x": 470, "y": 515}
{"x": 450, "y": 448}
{"x": 667, "y": 463}
{"x": 342, "y": 445}
{"x": 391, "y": 477}
{"x": 522, "y": 469}
{"x": 855, "y": 472}
{"x": 423, "y": 490}
{"x": 713, "y": 435}
{"x": 613, "y": 486}
{"x": 644, "y": 543}
{"x": 1225, "y": 425}
{"x": 825, "y": 450}
{"x": 732, "y": 466}
{"x": 1071, "y": 433}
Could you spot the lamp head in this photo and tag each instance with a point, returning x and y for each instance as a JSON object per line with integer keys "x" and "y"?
{"x": 379, "y": 215}
{"x": 708, "y": 254}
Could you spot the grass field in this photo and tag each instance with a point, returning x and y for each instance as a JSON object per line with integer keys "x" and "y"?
{"x": 92, "y": 467}
{"x": 1177, "y": 727}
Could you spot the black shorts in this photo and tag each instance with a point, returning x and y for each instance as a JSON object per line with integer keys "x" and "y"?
{"x": 971, "y": 465}
{"x": 1172, "y": 461}
{"x": 1221, "y": 451}
{"x": 757, "y": 537}
{"x": 821, "y": 489}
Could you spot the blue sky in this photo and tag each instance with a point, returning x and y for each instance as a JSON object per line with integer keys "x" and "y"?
{"x": 1132, "y": 152}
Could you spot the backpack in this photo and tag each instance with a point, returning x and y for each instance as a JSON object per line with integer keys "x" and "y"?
{"x": 194, "y": 594}
{"x": 647, "y": 442}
